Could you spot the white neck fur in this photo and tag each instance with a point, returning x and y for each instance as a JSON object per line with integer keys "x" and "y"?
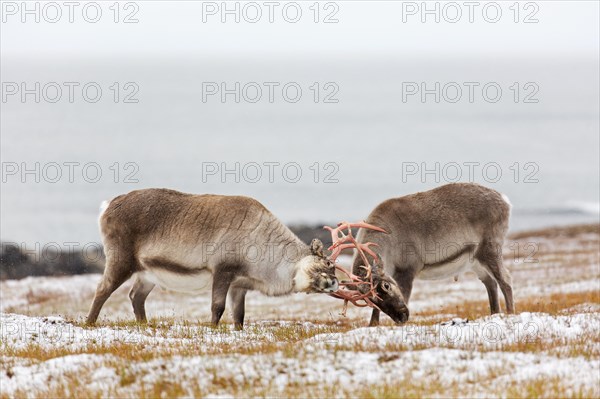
{"x": 302, "y": 280}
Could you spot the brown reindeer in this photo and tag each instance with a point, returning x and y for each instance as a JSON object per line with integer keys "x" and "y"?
{"x": 172, "y": 239}
{"x": 442, "y": 233}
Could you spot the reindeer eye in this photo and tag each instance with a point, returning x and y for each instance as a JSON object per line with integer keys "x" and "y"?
{"x": 386, "y": 286}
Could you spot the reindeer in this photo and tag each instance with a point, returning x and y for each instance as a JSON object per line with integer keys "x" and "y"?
{"x": 442, "y": 233}
{"x": 173, "y": 239}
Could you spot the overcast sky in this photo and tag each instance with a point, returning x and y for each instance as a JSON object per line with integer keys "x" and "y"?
{"x": 566, "y": 28}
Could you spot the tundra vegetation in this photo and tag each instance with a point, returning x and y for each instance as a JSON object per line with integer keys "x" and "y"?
{"x": 300, "y": 346}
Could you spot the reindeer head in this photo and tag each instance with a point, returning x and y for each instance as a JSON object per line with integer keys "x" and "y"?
{"x": 316, "y": 273}
{"x": 383, "y": 292}
{"x": 372, "y": 287}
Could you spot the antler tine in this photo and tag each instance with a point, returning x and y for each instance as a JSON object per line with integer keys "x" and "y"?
{"x": 361, "y": 225}
{"x": 369, "y": 274}
{"x": 337, "y": 249}
{"x": 352, "y": 276}
{"x": 336, "y": 240}
{"x": 335, "y": 232}
{"x": 354, "y": 298}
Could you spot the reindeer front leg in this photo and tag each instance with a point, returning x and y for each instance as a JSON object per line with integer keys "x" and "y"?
{"x": 221, "y": 282}
{"x": 238, "y": 299}
{"x": 374, "y": 318}
{"x": 405, "y": 277}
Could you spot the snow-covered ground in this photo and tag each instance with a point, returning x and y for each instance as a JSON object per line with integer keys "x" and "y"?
{"x": 302, "y": 346}
{"x": 462, "y": 353}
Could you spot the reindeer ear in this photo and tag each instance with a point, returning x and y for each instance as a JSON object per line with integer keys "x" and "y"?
{"x": 316, "y": 248}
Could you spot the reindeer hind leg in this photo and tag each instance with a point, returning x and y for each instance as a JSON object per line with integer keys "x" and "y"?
{"x": 489, "y": 255}
{"x": 138, "y": 294}
{"x": 491, "y": 287}
{"x": 116, "y": 272}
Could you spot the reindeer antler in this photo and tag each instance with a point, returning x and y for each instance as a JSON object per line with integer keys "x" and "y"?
{"x": 341, "y": 241}
{"x": 348, "y": 241}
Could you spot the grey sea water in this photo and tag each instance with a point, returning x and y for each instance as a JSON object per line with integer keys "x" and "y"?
{"x": 367, "y": 145}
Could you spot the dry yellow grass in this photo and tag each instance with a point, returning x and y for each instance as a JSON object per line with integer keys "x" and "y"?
{"x": 553, "y": 304}
{"x": 554, "y": 232}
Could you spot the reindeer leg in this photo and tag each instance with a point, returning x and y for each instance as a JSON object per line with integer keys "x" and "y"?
{"x": 490, "y": 285}
{"x": 492, "y": 289}
{"x": 116, "y": 272}
{"x": 489, "y": 256}
{"x": 238, "y": 298}
{"x": 138, "y": 294}
{"x": 374, "y": 318}
{"x": 222, "y": 279}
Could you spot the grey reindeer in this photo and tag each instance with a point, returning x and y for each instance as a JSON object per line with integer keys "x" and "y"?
{"x": 172, "y": 239}
{"x": 442, "y": 233}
